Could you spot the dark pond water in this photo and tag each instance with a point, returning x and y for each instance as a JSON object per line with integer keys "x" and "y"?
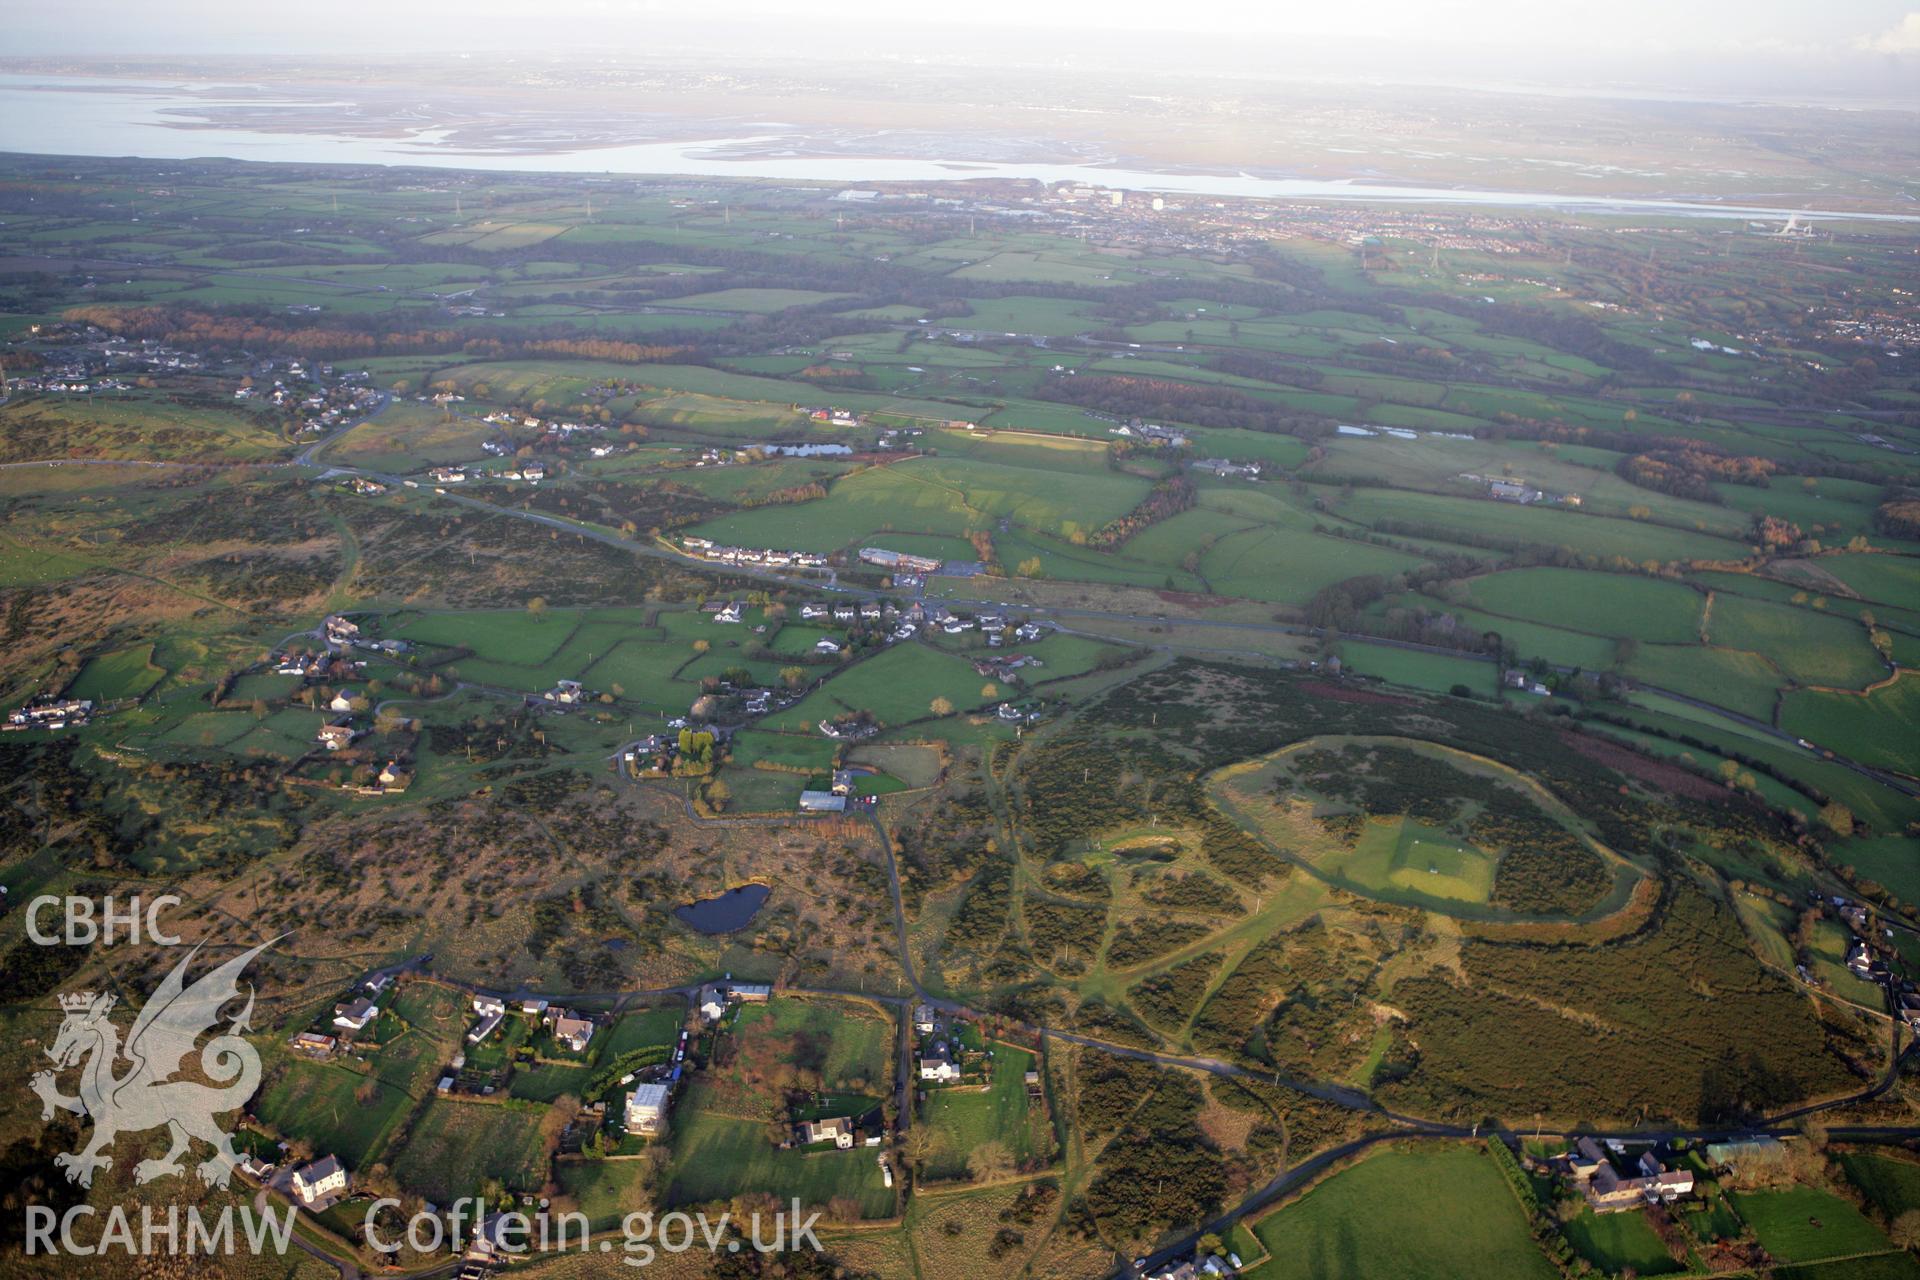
{"x": 732, "y": 910}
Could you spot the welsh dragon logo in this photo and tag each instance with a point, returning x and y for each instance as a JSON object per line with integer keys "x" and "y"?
{"x": 144, "y": 1095}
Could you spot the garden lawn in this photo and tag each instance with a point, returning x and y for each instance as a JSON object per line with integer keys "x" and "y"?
{"x": 963, "y": 1118}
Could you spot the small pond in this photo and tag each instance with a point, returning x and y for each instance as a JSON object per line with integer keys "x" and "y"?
{"x": 734, "y": 909}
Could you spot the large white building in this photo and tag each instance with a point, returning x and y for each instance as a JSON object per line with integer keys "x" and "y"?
{"x": 647, "y": 1109}
{"x": 320, "y": 1181}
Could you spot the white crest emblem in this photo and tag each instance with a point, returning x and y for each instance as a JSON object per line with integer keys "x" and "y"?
{"x": 144, "y": 1095}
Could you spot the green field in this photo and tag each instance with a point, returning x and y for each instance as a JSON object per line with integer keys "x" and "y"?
{"x": 1892, "y": 1183}
{"x": 124, "y": 673}
{"x": 607, "y": 1190}
{"x": 1594, "y": 535}
{"x": 897, "y": 685}
{"x": 1809, "y": 647}
{"x": 718, "y": 1156}
{"x": 961, "y": 1118}
{"x": 1805, "y": 1224}
{"x": 1601, "y": 604}
{"x": 1405, "y": 854}
{"x": 934, "y": 495}
{"x": 1731, "y": 678}
{"x": 317, "y": 1101}
{"x": 1882, "y": 727}
{"x": 456, "y": 1146}
{"x": 1432, "y": 1214}
{"x": 1437, "y": 672}
{"x": 1614, "y": 1241}
{"x": 1287, "y": 567}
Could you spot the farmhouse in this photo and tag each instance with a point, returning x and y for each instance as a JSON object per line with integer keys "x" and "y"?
{"x": 492, "y": 1012}
{"x": 571, "y": 1030}
{"x": 1225, "y": 467}
{"x": 849, "y": 728}
{"x": 714, "y": 997}
{"x": 837, "y": 1130}
{"x": 939, "y": 1068}
{"x": 319, "y": 1184}
{"x": 50, "y": 713}
{"x": 356, "y": 1015}
{"x": 923, "y": 1019}
{"x": 647, "y": 1110}
{"x": 1512, "y": 491}
{"x": 1607, "y": 1192}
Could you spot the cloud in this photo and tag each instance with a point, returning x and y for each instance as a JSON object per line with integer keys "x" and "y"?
{"x": 1902, "y": 37}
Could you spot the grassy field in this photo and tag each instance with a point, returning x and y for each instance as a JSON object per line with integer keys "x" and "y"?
{"x": 1885, "y": 579}
{"x": 934, "y": 495}
{"x": 637, "y": 1030}
{"x": 1615, "y": 1241}
{"x": 1432, "y": 1214}
{"x": 456, "y": 1146}
{"x": 897, "y": 685}
{"x": 717, "y": 1156}
{"x": 1891, "y": 1182}
{"x": 1287, "y": 567}
{"x": 1633, "y": 540}
{"x": 1805, "y": 1224}
{"x": 124, "y": 673}
{"x": 1883, "y": 1266}
{"x": 606, "y": 1190}
{"x": 317, "y": 1101}
{"x": 1882, "y": 727}
{"x": 1730, "y": 678}
{"x": 1434, "y": 671}
{"x": 963, "y": 1118}
{"x": 1604, "y": 604}
{"x": 1807, "y": 646}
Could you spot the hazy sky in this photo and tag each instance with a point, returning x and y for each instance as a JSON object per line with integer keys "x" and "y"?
{"x": 1831, "y": 40}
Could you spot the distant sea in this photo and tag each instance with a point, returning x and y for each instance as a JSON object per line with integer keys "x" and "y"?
{"x": 168, "y": 120}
